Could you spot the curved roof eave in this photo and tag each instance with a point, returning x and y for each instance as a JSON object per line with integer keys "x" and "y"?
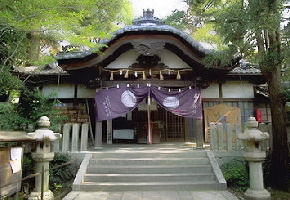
{"x": 139, "y": 28}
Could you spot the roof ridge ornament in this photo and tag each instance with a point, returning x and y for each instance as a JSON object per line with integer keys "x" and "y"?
{"x": 148, "y": 19}
{"x": 148, "y": 13}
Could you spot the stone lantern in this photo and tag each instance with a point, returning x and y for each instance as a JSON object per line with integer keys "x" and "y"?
{"x": 252, "y": 138}
{"x": 42, "y": 156}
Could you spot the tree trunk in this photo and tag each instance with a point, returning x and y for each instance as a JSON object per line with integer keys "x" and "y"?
{"x": 279, "y": 158}
{"x": 34, "y": 49}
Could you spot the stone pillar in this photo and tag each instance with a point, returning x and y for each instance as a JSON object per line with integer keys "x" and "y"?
{"x": 75, "y": 137}
{"x": 98, "y": 135}
{"x": 253, "y": 138}
{"x": 229, "y": 137}
{"x": 84, "y": 137}
{"x": 220, "y": 130}
{"x": 66, "y": 137}
{"x": 199, "y": 133}
{"x": 42, "y": 156}
{"x": 213, "y": 137}
{"x": 109, "y": 132}
{"x": 42, "y": 164}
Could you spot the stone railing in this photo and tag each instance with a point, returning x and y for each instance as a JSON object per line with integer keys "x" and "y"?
{"x": 223, "y": 137}
{"x": 74, "y": 138}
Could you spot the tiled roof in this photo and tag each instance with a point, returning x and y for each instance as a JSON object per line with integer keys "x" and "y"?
{"x": 50, "y": 69}
{"x": 147, "y": 23}
{"x": 245, "y": 68}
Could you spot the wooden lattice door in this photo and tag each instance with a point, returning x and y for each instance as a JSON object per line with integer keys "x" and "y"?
{"x": 171, "y": 126}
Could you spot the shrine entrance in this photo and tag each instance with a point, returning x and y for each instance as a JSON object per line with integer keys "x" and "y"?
{"x": 166, "y": 127}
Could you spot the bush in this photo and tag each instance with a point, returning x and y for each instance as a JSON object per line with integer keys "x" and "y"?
{"x": 8, "y": 81}
{"x": 28, "y": 169}
{"x": 9, "y": 118}
{"x": 31, "y": 107}
{"x": 236, "y": 174}
{"x": 61, "y": 178}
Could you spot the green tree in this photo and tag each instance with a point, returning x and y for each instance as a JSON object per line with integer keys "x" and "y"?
{"x": 257, "y": 25}
{"x": 252, "y": 30}
{"x": 38, "y": 24}
{"x": 29, "y": 27}
{"x": 196, "y": 22}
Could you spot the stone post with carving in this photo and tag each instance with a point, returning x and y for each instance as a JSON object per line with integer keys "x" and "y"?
{"x": 42, "y": 157}
{"x": 252, "y": 138}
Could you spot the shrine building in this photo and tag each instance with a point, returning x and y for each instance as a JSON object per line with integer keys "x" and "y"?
{"x": 159, "y": 58}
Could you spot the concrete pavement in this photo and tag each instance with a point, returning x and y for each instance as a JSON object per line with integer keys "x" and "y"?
{"x": 161, "y": 195}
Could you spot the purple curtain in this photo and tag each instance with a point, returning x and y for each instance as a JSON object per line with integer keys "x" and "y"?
{"x": 115, "y": 102}
{"x": 186, "y": 103}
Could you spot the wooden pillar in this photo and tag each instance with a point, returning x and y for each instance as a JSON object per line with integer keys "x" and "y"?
{"x": 199, "y": 133}
{"x": 129, "y": 115}
{"x": 189, "y": 132}
{"x": 109, "y": 132}
{"x": 220, "y": 92}
{"x": 98, "y": 135}
{"x": 149, "y": 136}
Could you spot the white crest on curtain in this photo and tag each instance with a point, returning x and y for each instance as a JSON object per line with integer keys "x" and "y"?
{"x": 128, "y": 99}
{"x": 171, "y": 102}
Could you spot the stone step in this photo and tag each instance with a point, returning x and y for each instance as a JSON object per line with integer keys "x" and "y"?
{"x": 149, "y": 186}
{"x": 149, "y": 177}
{"x": 149, "y": 161}
{"x": 148, "y": 169}
{"x": 153, "y": 154}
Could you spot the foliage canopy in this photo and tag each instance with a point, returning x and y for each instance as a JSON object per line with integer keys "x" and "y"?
{"x": 40, "y": 24}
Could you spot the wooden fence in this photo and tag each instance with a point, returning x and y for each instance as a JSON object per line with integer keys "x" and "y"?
{"x": 223, "y": 137}
{"x": 74, "y": 138}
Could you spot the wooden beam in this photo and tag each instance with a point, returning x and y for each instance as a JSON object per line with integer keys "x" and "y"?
{"x": 161, "y": 83}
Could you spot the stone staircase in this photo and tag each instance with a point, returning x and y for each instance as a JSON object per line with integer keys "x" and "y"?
{"x": 149, "y": 170}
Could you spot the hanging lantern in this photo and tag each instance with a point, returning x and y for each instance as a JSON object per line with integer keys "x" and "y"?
{"x": 178, "y": 77}
{"x": 144, "y": 77}
{"x": 126, "y": 74}
{"x": 161, "y": 76}
{"x": 112, "y": 76}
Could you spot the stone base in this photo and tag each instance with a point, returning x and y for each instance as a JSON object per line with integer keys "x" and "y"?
{"x": 257, "y": 194}
{"x": 37, "y": 195}
{"x": 98, "y": 148}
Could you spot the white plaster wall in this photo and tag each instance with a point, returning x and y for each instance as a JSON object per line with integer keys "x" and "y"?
{"x": 172, "y": 60}
{"x": 238, "y": 89}
{"x": 167, "y": 57}
{"x": 211, "y": 92}
{"x": 84, "y": 92}
{"x": 124, "y": 60}
{"x": 60, "y": 91}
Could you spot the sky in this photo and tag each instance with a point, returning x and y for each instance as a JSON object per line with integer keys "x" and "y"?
{"x": 162, "y": 8}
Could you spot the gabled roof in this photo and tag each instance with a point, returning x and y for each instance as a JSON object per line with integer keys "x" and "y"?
{"x": 146, "y": 24}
